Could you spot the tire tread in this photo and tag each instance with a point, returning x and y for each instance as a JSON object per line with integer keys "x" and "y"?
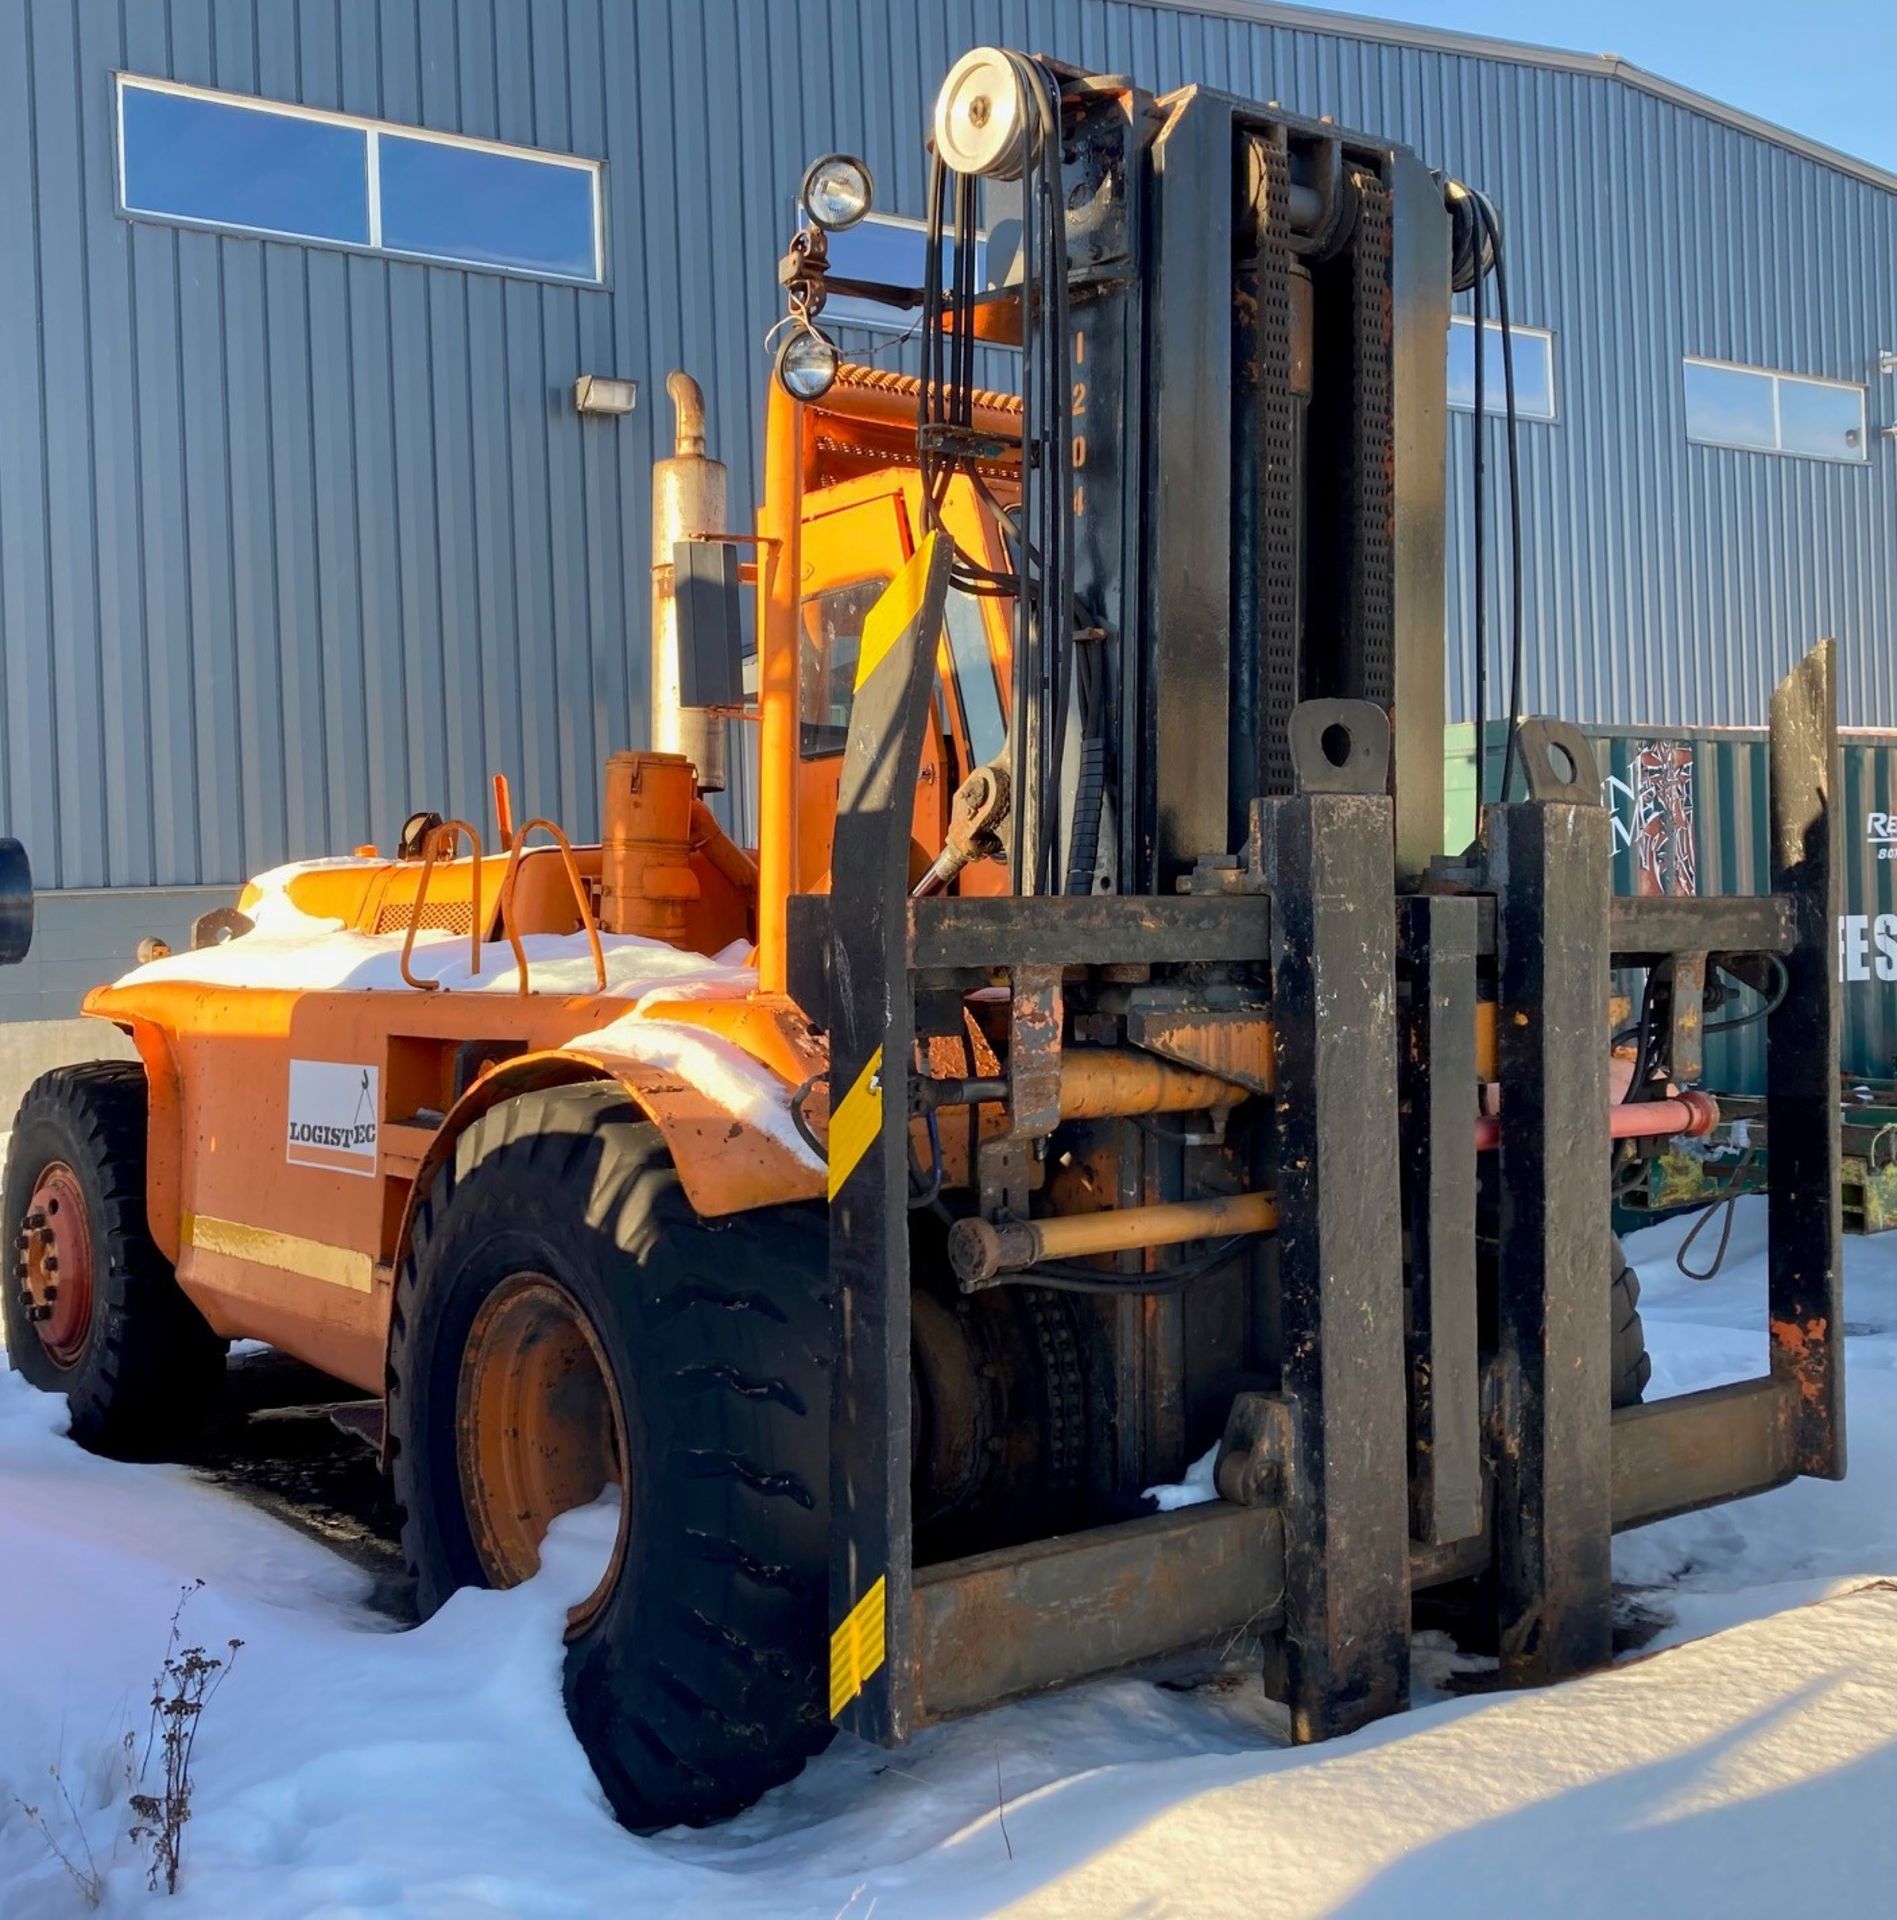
{"x": 153, "y": 1370}
{"x": 716, "y": 1698}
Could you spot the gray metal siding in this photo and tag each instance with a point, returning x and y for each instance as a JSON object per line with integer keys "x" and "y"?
{"x": 83, "y": 936}
{"x": 293, "y": 540}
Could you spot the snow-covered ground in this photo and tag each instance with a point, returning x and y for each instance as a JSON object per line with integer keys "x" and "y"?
{"x": 350, "y": 1769}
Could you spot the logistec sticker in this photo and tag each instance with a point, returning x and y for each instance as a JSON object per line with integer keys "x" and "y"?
{"x": 333, "y": 1109}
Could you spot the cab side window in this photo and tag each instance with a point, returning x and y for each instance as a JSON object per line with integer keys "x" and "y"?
{"x": 826, "y": 675}
{"x": 983, "y": 721}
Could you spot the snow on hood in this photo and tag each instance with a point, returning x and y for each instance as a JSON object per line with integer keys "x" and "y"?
{"x": 647, "y": 973}
{"x": 272, "y": 911}
{"x": 344, "y": 961}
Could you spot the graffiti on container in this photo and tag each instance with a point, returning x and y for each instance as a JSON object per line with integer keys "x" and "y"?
{"x": 1653, "y": 815}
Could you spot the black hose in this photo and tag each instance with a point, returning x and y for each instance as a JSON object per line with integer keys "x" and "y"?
{"x": 1054, "y": 469}
{"x": 1020, "y": 701}
{"x": 1726, "y": 1206}
{"x": 1065, "y": 1277}
{"x": 1766, "y": 1007}
{"x": 1517, "y": 633}
{"x": 931, "y": 1189}
{"x": 1650, "y": 1069}
{"x": 947, "y": 373}
{"x": 797, "y": 1119}
{"x": 1042, "y": 579}
{"x": 1643, "y": 1086}
{"x": 1480, "y": 432}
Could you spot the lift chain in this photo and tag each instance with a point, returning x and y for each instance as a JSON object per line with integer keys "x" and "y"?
{"x": 1277, "y": 478}
{"x": 1372, "y": 603}
{"x": 1066, "y": 1400}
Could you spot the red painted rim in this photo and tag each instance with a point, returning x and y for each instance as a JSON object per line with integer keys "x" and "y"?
{"x": 55, "y": 1264}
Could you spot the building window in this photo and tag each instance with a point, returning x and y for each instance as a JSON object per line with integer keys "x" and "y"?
{"x": 1534, "y": 369}
{"x": 893, "y": 251}
{"x": 1761, "y": 411}
{"x": 255, "y": 166}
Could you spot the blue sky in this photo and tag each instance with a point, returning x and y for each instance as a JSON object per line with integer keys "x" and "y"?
{"x": 1826, "y": 68}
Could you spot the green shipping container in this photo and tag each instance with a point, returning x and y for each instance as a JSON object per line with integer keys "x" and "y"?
{"x": 1689, "y": 816}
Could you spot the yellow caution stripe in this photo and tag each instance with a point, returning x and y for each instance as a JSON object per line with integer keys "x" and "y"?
{"x": 894, "y": 612}
{"x": 856, "y": 1122}
{"x": 857, "y": 1646}
{"x": 264, "y": 1247}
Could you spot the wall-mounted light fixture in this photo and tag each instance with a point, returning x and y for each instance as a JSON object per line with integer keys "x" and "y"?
{"x": 594, "y": 393}
{"x": 1887, "y": 361}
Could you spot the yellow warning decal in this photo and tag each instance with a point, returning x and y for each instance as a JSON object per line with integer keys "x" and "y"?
{"x": 856, "y": 1648}
{"x": 313, "y": 1259}
{"x": 856, "y": 1122}
{"x": 894, "y": 612}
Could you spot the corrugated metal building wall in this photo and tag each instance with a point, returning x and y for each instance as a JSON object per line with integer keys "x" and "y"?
{"x": 293, "y": 540}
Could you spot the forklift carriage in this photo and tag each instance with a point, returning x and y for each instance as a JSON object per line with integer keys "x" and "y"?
{"x": 1252, "y": 388}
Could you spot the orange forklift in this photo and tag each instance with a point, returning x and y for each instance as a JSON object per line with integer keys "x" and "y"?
{"x": 1100, "y": 1060}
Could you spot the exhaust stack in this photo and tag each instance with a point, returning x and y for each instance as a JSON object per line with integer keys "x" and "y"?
{"x": 688, "y": 499}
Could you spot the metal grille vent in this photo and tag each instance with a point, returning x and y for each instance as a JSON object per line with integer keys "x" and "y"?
{"x": 444, "y": 916}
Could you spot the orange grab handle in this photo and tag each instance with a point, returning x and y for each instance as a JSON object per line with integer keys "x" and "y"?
{"x": 504, "y": 812}
{"x": 441, "y": 845}
{"x": 579, "y": 897}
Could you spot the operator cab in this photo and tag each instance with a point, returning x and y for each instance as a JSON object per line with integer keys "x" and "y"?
{"x": 857, "y": 534}
{"x": 869, "y": 489}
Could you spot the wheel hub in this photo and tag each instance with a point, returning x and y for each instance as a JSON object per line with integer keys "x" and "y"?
{"x": 539, "y": 1430}
{"x": 53, "y": 1265}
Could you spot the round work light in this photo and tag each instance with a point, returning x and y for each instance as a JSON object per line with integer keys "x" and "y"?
{"x": 837, "y": 191}
{"x": 806, "y": 365}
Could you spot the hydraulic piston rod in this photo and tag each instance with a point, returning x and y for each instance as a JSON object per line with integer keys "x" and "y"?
{"x": 1691, "y": 1113}
{"x": 1098, "y": 1083}
{"x": 980, "y": 1249}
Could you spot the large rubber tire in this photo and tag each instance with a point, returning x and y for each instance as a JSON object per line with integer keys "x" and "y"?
{"x": 1633, "y": 1366}
{"x": 697, "y": 1684}
{"x": 148, "y": 1372}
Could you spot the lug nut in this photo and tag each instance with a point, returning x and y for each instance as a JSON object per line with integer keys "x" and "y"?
{"x": 39, "y": 1313}
{"x": 36, "y": 1219}
{"x": 49, "y": 1293}
{"x": 51, "y": 1263}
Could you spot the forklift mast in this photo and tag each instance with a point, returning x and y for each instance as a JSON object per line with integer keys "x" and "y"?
{"x": 1226, "y": 872}
{"x": 1246, "y": 413}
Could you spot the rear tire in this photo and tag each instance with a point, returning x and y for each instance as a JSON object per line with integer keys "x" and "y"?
{"x": 104, "y": 1321}
{"x": 693, "y": 1678}
{"x": 1466, "y": 1609}
{"x": 1632, "y": 1364}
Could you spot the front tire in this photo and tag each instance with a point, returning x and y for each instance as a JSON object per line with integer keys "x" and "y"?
{"x": 560, "y": 1289}
{"x": 92, "y": 1309}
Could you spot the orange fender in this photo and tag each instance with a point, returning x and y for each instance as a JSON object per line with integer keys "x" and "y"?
{"x": 164, "y": 1134}
{"x": 725, "y": 1164}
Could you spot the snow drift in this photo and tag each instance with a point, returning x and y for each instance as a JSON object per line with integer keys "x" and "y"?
{"x": 348, "y": 1768}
